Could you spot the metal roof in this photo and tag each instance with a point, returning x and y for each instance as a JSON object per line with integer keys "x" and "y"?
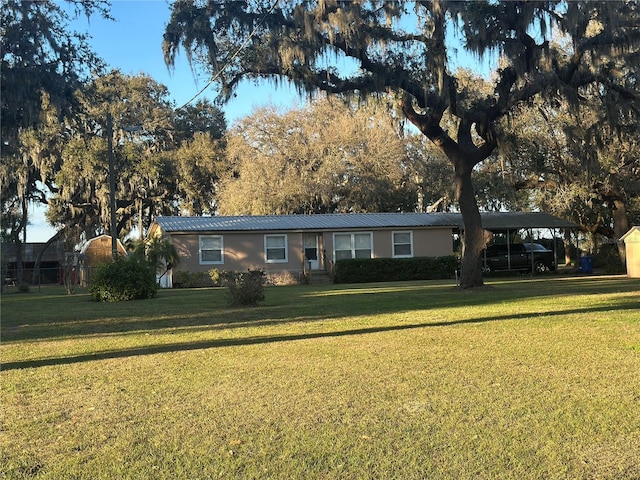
{"x": 30, "y": 252}
{"x": 344, "y": 221}
{"x": 520, "y": 220}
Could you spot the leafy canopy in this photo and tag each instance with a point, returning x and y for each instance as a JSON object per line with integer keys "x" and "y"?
{"x": 43, "y": 63}
{"x": 323, "y": 158}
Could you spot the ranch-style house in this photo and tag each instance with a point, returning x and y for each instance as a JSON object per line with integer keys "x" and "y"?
{"x": 304, "y": 245}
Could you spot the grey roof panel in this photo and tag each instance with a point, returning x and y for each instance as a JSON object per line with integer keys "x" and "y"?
{"x": 342, "y": 221}
{"x": 305, "y": 222}
{"x": 518, "y": 220}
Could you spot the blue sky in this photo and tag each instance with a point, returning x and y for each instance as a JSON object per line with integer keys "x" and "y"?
{"x": 133, "y": 44}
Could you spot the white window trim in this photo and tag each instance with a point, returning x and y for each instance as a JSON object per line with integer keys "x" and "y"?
{"x": 211, "y": 262}
{"x": 353, "y": 243}
{"x": 393, "y": 243}
{"x": 286, "y": 248}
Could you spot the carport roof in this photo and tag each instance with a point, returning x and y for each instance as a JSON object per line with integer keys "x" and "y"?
{"x": 520, "y": 220}
{"x": 344, "y": 221}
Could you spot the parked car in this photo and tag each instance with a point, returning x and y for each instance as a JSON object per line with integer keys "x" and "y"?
{"x": 517, "y": 256}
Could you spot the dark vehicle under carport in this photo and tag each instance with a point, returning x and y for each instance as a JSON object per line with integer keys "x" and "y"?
{"x": 524, "y": 257}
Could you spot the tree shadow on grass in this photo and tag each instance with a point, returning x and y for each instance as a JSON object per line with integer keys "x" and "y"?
{"x": 69, "y": 318}
{"x": 257, "y": 340}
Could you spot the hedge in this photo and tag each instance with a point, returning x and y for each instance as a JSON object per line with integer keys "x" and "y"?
{"x": 185, "y": 279}
{"x": 365, "y": 270}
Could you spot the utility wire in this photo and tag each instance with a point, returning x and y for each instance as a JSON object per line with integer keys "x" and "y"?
{"x": 235, "y": 54}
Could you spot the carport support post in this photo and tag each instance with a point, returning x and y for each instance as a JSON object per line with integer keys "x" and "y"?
{"x": 533, "y": 263}
{"x": 508, "y": 249}
{"x": 555, "y": 248}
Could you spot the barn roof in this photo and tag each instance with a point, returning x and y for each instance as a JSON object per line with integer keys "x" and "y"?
{"x": 343, "y": 221}
{"x": 102, "y": 238}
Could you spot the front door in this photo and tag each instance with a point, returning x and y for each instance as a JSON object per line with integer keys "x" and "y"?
{"x": 311, "y": 250}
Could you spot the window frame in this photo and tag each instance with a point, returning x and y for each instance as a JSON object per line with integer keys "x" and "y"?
{"x": 353, "y": 248}
{"x": 200, "y": 250}
{"x": 267, "y": 248}
{"x": 394, "y": 243}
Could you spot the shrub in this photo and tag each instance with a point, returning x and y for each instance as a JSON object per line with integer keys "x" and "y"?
{"x": 23, "y": 288}
{"x": 244, "y": 288}
{"x": 123, "y": 279}
{"x": 217, "y": 276}
{"x": 282, "y": 279}
{"x": 364, "y": 270}
{"x": 609, "y": 260}
{"x": 183, "y": 279}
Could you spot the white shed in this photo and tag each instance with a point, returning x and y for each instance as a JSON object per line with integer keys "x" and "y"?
{"x": 631, "y": 241}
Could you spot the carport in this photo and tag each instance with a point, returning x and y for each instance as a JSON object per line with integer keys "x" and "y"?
{"x": 510, "y": 223}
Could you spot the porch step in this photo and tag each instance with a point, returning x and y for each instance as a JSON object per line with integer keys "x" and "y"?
{"x": 320, "y": 277}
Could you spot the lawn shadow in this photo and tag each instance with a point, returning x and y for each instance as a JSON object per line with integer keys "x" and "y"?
{"x": 205, "y": 309}
{"x": 257, "y": 340}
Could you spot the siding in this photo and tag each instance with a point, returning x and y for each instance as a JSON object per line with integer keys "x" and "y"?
{"x": 245, "y": 250}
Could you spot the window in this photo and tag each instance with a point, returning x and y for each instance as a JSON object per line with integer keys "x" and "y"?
{"x": 352, "y": 245}
{"x": 211, "y": 248}
{"x": 275, "y": 248}
{"x": 402, "y": 244}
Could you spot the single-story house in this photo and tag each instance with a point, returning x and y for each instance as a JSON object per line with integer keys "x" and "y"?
{"x": 310, "y": 244}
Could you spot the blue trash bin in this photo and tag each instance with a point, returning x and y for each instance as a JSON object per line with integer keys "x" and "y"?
{"x": 586, "y": 264}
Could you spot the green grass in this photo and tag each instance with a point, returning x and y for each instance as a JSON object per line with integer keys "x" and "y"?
{"x": 531, "y": 378}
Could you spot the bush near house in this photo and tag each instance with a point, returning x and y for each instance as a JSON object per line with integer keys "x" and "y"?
{"x": 123, "y": 279}
{"x": 271, "y": 279}
{"x": 184, "y": 279}
{"x": 216, "y": 278}
{"x": 244, "y": 288}
{"x": 364, "y": 270}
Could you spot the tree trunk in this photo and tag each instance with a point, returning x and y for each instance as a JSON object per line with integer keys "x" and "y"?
{"x": 21, "y": 230}
{"x": 620, "y": 227}
{"x": 568, "y": 248}
{"x": 464, "y": 156}
{"x": 19, "y": 268}
{"x": 36, "y": 267}
{"x": 473, "y": 239}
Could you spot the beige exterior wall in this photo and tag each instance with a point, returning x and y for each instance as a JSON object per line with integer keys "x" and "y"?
{"x": 433, "y": 242}
{"x": 427, "y": 242}
{"x": 246, "y": 250}
{"x": 241, "y": 251}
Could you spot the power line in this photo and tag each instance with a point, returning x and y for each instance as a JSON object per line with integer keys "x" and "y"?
{"x": 236, "y": 53}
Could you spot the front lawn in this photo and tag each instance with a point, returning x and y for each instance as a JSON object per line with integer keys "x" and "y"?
{"x": 529, "y": 379}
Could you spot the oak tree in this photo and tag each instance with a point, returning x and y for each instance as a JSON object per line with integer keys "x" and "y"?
{"x": 325, "y": 157}
{"x": 43, "y": 63}
{"x": 199, "y": 137}
{"x": 408, "y": 48}
{"x": 136, "y": 111}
